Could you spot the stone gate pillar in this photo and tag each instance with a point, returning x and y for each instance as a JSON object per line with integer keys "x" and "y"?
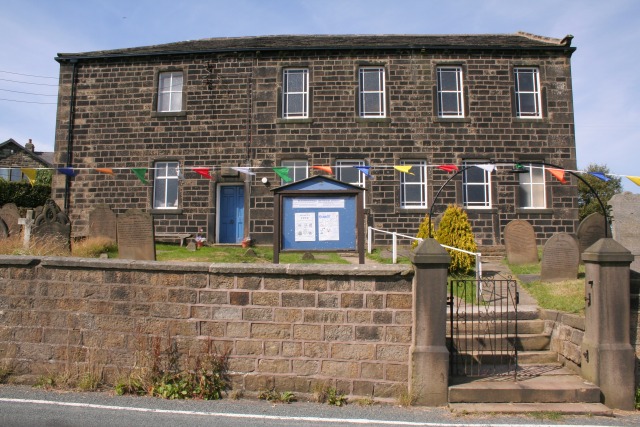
{"x": 429, "y": 357}
{"x": 608, "y": 358}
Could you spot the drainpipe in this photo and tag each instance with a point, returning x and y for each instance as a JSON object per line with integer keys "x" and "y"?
{"x": 72, "y": 103}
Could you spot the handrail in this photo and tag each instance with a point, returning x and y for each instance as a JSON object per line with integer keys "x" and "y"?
{"x": 477, "y": 255}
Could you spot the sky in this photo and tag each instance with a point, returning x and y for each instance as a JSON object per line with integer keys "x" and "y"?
{"x": 606, "y": 86}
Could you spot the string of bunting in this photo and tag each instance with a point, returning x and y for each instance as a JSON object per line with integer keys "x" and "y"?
{"x": 284, "y": 171}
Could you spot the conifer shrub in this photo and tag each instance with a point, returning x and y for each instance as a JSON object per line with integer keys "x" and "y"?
{"x": 455, "y": 230}
{"x": 423, "y": 230}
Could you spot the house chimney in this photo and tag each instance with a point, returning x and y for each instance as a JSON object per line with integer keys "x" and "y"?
{"x": 29, "y": 146}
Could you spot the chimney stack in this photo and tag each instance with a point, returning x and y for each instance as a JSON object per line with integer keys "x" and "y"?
{"x": 29, "y": 146}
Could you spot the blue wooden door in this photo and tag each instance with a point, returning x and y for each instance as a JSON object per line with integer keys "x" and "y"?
{"x": 231, "y": 214}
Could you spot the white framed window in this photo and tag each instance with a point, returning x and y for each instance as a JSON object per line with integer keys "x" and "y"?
{"x": 527, "y": 92}
{"x": 298, "y": 169}
{"x": 413, "y": 187}
{"x": 449, "y": 88}
{"x": 170, "y": 91}
{"x": 346, "y": 171}
{"x": 476, "y": 186}
{"x": 532, "y": 187}
{"x": 295, "y": 93}
{"x": 165, "y": 185}
{"x": 372, "y": 101}
{"x": 12, "y": 174}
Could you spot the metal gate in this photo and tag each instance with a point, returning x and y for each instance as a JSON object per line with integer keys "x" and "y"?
{"x": 482, "y": 333}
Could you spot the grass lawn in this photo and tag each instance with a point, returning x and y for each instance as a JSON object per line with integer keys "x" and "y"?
{"x": 229, "y": 254}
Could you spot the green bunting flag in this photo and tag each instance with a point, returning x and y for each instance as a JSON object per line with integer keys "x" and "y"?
{"x": 140, "y": 173}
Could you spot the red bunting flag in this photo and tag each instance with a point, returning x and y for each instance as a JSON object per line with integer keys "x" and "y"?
{"x": 448, "y": 168}
{"x": 326, "y": 169}
{"x": 203, "y": 171}
{"x": 558, "y": 174}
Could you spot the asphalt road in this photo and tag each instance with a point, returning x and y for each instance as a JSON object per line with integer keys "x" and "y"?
{"x": 26, "y": 406}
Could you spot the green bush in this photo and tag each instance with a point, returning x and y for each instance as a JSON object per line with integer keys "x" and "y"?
{"x": 23, "y": 194}
{"x": 423, "y": 230}
{"x": 455, "y": 230}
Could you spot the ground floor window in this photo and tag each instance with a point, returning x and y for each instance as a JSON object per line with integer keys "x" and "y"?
{"x": 165, "y": 185}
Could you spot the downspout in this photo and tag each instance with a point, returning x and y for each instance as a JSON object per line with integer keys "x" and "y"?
{"x": 72, "y": 111}
{"x": 248, "y": 148}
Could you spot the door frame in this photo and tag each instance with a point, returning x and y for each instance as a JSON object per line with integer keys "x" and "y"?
{"x": 218, "y": 210}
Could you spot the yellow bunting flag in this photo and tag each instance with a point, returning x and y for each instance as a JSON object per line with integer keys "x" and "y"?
{"x": 108, "y": 171}
{"x": 30, "y": 173}
{"x": 404, "y": 169}
{"x": 634, "y": 179}
{"x": 558, "y": 174}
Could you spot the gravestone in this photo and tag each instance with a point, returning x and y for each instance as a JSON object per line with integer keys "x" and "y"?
{"x": 4, "y": 230}
{"x": 103, "y": 223}
{"x": 590, "y": 230}
{"x": 560, "y": 258}
{"x": 625, "y": 210}
{"x": 52, "y": 227}
{"x": 27, "y": 225}
{"x": 135, "y": 236}
{"x": 520, "y": 242}
{"x": 10, "y": 215}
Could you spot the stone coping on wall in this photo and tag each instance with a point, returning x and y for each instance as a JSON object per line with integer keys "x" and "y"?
{"x": 203, "y": 267}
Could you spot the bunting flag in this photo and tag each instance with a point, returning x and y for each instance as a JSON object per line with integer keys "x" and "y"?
{"x": 283, "y": 172}
{"x": 108, "y": 171}
{"x": 634, "y": 179}
{"x": 559, "y": 174}
{"x": 448, "y": 168}
{"x": 140, "y": 173}
{"x": 600, "y": 176}
{"x": 364, "y": 169}
{"x": 203, "y": 171}
{"x": 243, "y": 170}
{"x": 30, "y": 173}
{"x": 404, "y": 169}
{"x": 489, "y": 168}
{"x": 68, "y": 171}
{"x": 326, "y": 169}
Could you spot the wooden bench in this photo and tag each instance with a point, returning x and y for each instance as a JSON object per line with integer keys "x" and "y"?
{"x": 172, "y": 236}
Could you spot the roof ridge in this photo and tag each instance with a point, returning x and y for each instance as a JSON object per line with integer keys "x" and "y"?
{"x": 543, "y": 38}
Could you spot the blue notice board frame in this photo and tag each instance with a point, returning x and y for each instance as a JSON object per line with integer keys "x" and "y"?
{"x": 318, "y": 214}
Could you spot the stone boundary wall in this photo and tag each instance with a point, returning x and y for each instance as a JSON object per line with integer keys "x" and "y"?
{"x": 292, "y": 327}
{"x": 567, "y": 331}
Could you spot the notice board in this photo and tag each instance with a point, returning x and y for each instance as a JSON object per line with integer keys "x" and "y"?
{"x": 318, "y": 214}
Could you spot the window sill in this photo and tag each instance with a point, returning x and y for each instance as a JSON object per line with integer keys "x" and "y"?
{"x": 491, "y": 211}
{"x": 535, "y": 211}
{"x": 157, "y": 211}
{"x": 373, "y": 120}
{"x": 293, "y": 121}
{"x": 451, "y": 120}
{"x": 168, "y": 114}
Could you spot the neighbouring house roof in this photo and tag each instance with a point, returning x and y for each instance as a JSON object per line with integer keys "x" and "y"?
{"x": 10, "y": 146}
{"x": 517, "y": 41}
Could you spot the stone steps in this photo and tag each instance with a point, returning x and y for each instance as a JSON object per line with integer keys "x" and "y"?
{"x": 592, "y": 409}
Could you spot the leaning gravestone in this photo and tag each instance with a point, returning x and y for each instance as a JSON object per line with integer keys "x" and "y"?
{"x": 625, "y": 210}
{"x": 4, "y": 230}
{"x": 520, "y": 242}
{"x": 103, "y": 223}
{"x": 52, "y": 227}
{"x": 590, "y": 230}
{"x": 10, "y": 215}
{"x": 135, "y": 236}
{"x": 560, "y": 258}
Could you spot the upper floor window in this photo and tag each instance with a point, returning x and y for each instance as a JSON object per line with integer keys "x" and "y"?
{"x": 476, "y": 186}
{"x": 165, "y": 185}
{"x": 413, "y": 185}
{"x": 532, "y": 187}
{"x": 371, "y": 92}
{"x": 527, "y": 93}
{"x": 170, "y": 91}
{"x": 298, "y": 169}
{"x": 295, "y": 93}
{"x": 449, "y": 88}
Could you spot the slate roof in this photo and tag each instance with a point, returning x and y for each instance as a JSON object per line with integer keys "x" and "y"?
{"x": 44, "y": 157}
{"x": 517, "y": 41}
